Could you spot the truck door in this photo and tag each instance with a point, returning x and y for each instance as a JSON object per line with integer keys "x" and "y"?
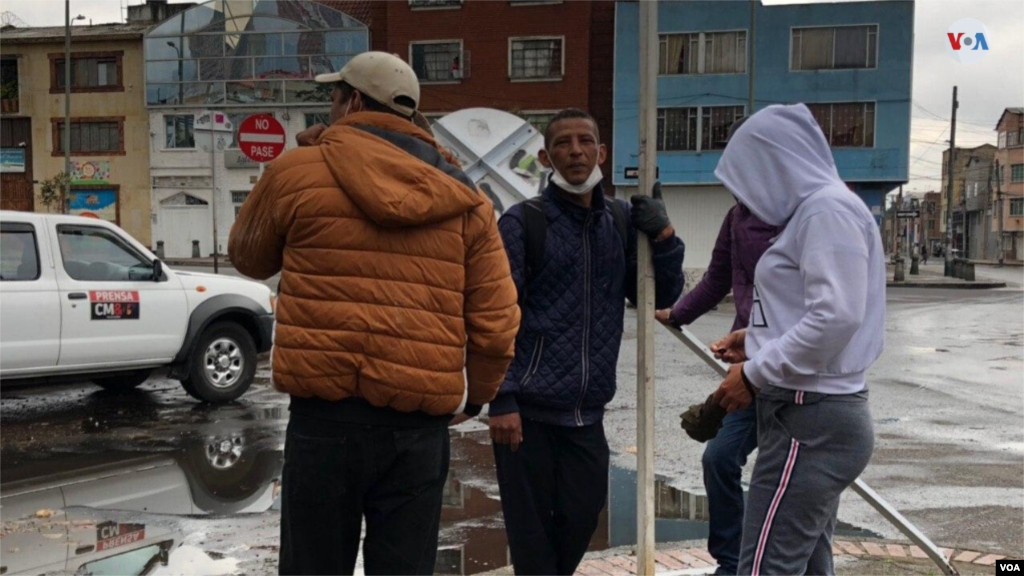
{"x": 113, "y": 311}
{"x": 29, "y": 303}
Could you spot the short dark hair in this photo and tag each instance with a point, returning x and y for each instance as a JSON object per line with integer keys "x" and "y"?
{"x": 568, "y": 114}
{"x": 369, "y": 104}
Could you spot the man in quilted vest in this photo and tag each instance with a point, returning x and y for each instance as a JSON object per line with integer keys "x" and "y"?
{"x": 546, "y": 423}
{"x": 396, "y": 311}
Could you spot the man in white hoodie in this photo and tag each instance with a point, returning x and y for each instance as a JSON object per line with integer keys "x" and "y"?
{"x": 817, "y": 325}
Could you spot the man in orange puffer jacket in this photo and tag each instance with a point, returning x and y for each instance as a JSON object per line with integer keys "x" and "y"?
{"x": 396, "y": 311}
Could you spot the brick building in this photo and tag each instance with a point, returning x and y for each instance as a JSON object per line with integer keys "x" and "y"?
{"x": 531, "y": 58}
{"x": 1009, "y": 188}
{"x": 970, "y": 165}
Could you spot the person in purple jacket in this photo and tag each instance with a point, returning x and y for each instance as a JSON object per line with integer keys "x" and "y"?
{"x": 741, "y": 242}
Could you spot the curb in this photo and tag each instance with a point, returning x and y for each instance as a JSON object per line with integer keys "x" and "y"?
{"x": 949, "y": 285}
{"x": 698, "y": 561}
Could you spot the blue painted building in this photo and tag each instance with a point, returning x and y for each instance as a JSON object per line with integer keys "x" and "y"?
{"x": 850, "y": 62}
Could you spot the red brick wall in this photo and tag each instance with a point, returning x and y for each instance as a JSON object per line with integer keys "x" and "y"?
{"x": 485, "y": 27}
{"x": 602, "y": 70}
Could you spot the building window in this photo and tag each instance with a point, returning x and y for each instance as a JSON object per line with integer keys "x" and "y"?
{"x": 930, "y": 224}
{"x": 539, "y": 120}
{"x": 679, "y": 54}
{"x": 703, "y": 53}
{"x": 1017, "y": 173}
{"x": 1012, "y": 139}
{"x": 434, "y": 4}
{"x": 678, "y": 127}
{"x": 1017, "y": 207}
{"x": 9, "y": 85}
{"x": 90, "y": 72}
{"x": 834, "y": 48}
{"x": 725, "y": 52}
{"x": 536, "y": 58}
{"x": 314, "y": 118}
{"x": 715, "y": 124}
{"x": 90, "y": 136}
{"x": 439, "y": 61}
{"x": 180, "y": 133}
{"x": 847, "y": 124}
{"x": 238, "y": 198}
{"x": 234, "y": 54}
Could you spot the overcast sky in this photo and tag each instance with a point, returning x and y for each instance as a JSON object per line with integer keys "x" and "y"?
{"x": 985, "y": 88}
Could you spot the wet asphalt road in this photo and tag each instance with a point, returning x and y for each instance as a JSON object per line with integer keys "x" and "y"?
{"x": 163, "y": 477}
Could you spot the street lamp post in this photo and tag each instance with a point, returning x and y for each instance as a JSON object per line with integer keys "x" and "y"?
{"x": 67, "y": 104}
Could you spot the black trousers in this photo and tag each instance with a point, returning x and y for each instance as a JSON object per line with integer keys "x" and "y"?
{"x": 336, "y": 474}
{"x": 552, "y": 491}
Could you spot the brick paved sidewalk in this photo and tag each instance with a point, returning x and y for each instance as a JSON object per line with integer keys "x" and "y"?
{"x": 698, "y": 561}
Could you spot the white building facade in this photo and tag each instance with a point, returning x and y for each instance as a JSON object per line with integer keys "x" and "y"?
{"x": 211, "y": 67}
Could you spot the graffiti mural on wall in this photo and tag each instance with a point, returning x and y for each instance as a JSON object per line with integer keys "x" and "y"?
{"x": 90, "y": 172}
{"x": 101, "y": 204}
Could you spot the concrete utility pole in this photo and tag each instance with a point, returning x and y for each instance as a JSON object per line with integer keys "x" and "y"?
{"x": 949, "y": 190}
{"x": 751, "y": 51}
{"x": 645, "y": 292}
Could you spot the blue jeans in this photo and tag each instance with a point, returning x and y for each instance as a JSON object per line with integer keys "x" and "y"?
{"x": 724, "y": 458}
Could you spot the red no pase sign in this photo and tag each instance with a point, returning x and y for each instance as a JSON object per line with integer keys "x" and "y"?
{"x": 261, "y": 137}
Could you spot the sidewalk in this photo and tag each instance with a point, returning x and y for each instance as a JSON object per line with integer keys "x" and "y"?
{"x": 1017, "y": 263}
{"x": 852, "y": 557}
{"x": 931, "y": 277}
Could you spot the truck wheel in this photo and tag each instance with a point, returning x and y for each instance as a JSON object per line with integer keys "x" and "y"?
{"x": 223, "y": 364}
{"x": 124, "y": 382}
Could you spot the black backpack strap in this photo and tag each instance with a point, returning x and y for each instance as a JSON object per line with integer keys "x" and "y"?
{"x": 619, "y": 215}
{"x": 535, "y": 224}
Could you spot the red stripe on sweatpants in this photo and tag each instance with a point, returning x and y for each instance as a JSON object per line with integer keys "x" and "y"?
{"x": 762, "y": 542}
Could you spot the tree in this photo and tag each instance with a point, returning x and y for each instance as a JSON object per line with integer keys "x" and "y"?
{"x": 51, "y": 192}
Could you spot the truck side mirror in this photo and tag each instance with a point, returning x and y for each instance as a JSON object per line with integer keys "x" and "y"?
{"x": 158, "y": 271}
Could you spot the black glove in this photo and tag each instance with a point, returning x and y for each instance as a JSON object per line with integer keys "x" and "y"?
{"x": 648, "y": 213}
{"x": 702, "y": 421}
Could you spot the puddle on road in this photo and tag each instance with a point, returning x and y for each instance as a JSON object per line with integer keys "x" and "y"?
{"x": 473, "y": 534}
{"x": 113, "y": 487}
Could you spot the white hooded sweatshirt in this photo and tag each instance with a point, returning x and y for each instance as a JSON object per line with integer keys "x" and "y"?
{"x": 818, "y": 320}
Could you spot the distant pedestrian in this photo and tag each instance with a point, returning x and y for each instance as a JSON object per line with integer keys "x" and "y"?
{"x": 395, "y": 291}
{"x": 817, "y": 325}
{"x": 573, "y": 253}
{"x": 742, "y": 240}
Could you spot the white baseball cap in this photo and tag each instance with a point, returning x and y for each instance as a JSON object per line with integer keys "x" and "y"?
{"x": 384, "y": 77}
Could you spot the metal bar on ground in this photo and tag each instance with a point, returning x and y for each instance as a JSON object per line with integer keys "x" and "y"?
{"x": 645, "y": 294}
{"x": 859, "y": 486}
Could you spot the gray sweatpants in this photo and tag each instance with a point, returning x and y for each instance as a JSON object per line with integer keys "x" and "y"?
{"x": 811, "y": 447}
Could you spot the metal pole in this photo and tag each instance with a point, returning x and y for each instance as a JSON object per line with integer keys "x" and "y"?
{"x": 645, "y": 292}
{"x": 213, "y": 190}
{"x": 67, "y": 106}
{"x": 899, "y": 228}
{"x": 858, "y": 486}
{"x": 751, "y": 51}
{"x": 999, "y": 210}
{"x": 949, "y": 189}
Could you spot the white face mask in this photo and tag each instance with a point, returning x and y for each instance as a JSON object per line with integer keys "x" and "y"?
{"x": 577, "y": 189}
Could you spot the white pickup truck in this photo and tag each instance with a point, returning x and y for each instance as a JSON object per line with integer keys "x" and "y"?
{"x": 82, "y": 300}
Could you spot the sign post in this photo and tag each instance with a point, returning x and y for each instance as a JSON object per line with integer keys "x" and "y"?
{"x": 218, "y": 125}
{"x": 261, "y": 137}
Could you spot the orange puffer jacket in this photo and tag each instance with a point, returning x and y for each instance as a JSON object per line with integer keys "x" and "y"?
{"x": 394, "y": 278}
